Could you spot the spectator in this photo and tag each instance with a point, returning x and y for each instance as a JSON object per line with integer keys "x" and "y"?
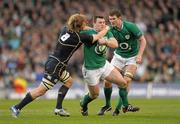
{"x": 28, "y": 30}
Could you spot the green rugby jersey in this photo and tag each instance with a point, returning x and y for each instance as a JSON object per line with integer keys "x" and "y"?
{"x": 127, "y": 38}
{"x": 92, "y": 60}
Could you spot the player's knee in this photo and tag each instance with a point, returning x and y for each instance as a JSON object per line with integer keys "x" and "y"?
{"x": 123, "y": 83}
{"x": 94, "y": 95}
{"x": 66, "y": 78}
{"x": 49, "y": 81}
{"x": 69, "y": 82}
{"x": 128, "y": 77}
{"x": 107, "y": 84}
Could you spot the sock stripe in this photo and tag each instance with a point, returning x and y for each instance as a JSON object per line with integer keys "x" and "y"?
{"x": 45, "y": 85}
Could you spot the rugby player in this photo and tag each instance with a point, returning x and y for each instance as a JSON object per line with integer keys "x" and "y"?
{"x": 98, "y": 68}
{"x": 126, "y": 59}
{"x": 68, "y": 42}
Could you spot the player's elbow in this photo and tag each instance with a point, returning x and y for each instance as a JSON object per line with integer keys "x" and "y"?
{"x": 112, "y": 43}
{"x": 115, "y": 45}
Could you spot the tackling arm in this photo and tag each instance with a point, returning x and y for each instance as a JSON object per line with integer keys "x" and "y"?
{"x": 100, "y": 34}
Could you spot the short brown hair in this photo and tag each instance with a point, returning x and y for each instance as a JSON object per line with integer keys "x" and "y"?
{"x": 115, "y": 12}
{"x": 75, "y": 22}
{"x": 96, "y": 17}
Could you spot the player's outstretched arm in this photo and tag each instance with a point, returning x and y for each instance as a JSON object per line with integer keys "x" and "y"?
{"x": 100, "y": 34}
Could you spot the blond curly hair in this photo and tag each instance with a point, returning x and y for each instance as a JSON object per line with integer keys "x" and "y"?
{"x": 76, "y": 22}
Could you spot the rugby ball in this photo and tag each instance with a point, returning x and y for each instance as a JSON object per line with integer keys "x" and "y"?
{"x": 101, "y": 49}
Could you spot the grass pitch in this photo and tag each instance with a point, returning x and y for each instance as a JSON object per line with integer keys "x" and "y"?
{"x": 154, "y": 111}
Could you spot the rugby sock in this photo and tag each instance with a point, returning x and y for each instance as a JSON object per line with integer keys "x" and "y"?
{"x": 61, "y": 94}
{"x": 107, "y": 93}
{"x": 124, "y": 96}
{"x": 27, "y": 99}
{"x": 119, "y": 105}
{"x": 86, "y": 99}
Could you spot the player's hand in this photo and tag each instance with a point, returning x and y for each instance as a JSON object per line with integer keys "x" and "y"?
{"x": 107, "y": 27}
{"x": 102, "y": 41}
{"x": 138, "y": 59}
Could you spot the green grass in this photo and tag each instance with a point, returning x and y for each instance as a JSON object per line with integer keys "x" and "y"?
{"x": 154, "y": 111}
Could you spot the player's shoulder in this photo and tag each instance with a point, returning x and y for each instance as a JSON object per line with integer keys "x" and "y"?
{"x": 128, "y": 23}
{"x": 130, "y": 26}
{"x": 63, "y": 30}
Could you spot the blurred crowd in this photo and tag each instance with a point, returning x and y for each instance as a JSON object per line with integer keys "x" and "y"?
{"x": 29, "y": 29}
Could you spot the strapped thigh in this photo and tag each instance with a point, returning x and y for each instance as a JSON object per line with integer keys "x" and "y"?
{"x": 128, "y": 74}
{"x": 54, "y": 69}
{"x": 64, "y": 76}
{"x": 49, "y": 81}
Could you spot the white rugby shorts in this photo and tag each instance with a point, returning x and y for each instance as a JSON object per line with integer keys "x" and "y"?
{"x": 92, "y": 77}
{"x": 121, "y": 62}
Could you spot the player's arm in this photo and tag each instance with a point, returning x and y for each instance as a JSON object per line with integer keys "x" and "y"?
{"x": 139, "y": 35}
{"x": 111, "y": 42}
{"x": 142, "y": 41}
{"x": 100, "y": 34}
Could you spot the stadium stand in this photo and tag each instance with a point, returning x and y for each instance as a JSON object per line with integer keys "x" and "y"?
{"x": 29, "y": 28}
